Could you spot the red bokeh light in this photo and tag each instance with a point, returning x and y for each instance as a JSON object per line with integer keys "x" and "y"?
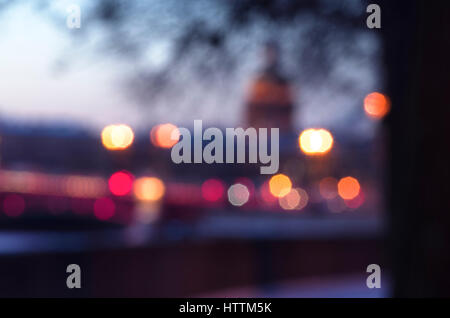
{"x": 356, "y": 202}
{"x": 213, "y": 190}
{"x": 121, "y": 183}
{"x": 13, "y": 205}
{"x": 104, "y": 208}
{"x": 266, "y": 196}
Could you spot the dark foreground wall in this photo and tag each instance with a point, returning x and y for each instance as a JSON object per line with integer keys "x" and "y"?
{"x": 185, "y": 269}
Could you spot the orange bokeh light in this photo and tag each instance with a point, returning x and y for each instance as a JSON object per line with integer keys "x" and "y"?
{"x": 348, "y": 188}
{"x": 149, "y": 189}
{"x": 315, "y": 141}
{"x": 296, "y": 199}
{"x": 377, "y": 105}
{"x": 280, "y": 185}
{"x": 117, "y": 137}
{"x": 165, "y": 135}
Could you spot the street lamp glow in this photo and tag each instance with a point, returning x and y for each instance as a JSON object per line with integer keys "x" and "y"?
{"x": 117, "y": 137}
{"x": 149, "y": 189}
{"x": 315, "y": 141}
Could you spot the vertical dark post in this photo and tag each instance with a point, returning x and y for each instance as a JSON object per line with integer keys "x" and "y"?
{"x": 417, "y": 54}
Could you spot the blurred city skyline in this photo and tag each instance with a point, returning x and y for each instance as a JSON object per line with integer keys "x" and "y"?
{"x": 54, "y": 75}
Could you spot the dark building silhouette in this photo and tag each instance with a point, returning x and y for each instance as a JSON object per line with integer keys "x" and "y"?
{"x": 270, "y": 102}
